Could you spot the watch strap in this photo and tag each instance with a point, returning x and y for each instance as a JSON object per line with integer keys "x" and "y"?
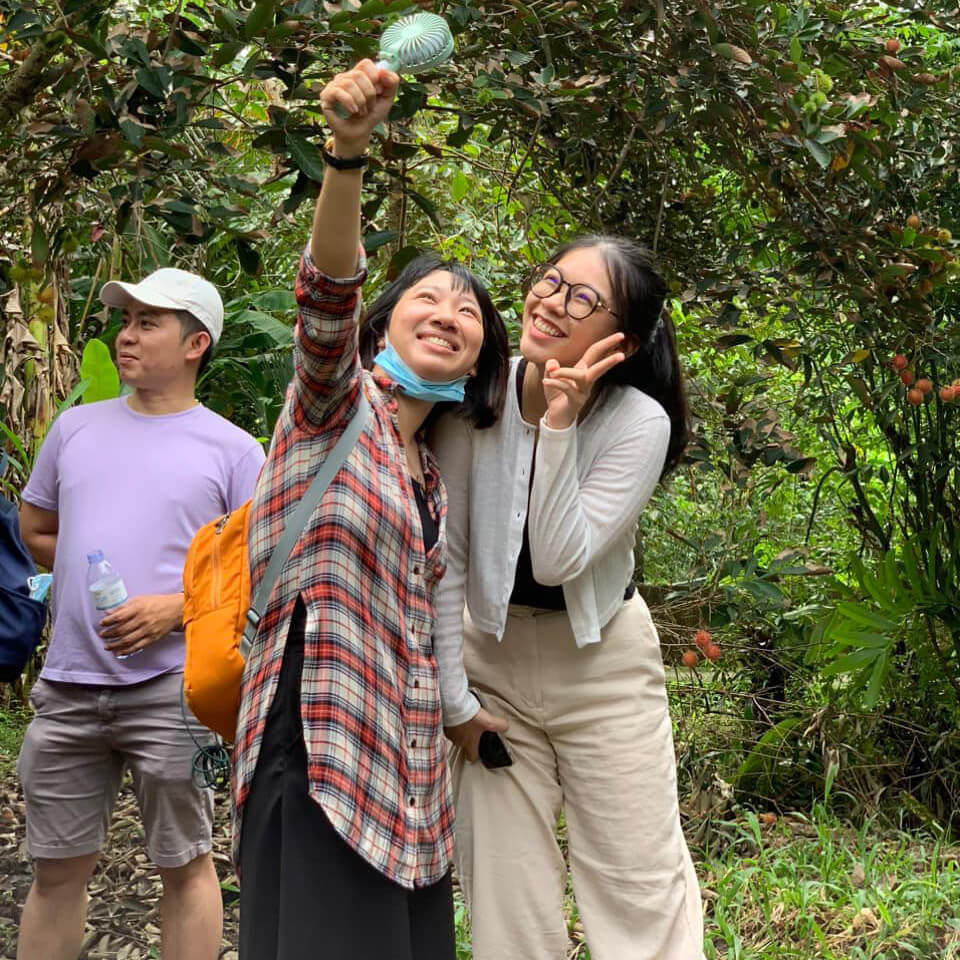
{"x": 343, "y": 163}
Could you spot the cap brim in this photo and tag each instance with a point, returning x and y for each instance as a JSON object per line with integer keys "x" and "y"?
{"x": 116, "y": 293}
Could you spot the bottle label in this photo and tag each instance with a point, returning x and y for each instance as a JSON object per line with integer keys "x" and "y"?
{"x": 109, "y": 595}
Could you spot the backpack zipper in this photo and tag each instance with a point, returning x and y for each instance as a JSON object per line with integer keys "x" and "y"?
{"x": 215, "y": 563}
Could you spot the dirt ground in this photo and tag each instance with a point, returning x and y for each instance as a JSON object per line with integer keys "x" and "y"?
{"x": 123, "y": 918}
{"x": 123, "y": 922}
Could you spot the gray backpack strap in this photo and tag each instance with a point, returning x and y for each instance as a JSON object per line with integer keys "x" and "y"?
{"x": 298, "y": 520}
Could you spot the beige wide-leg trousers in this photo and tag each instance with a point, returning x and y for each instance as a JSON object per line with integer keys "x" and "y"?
{"x": 590, "y": 735}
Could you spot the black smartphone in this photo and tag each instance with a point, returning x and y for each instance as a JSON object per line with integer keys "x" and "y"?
{"x": 493, "y": 751}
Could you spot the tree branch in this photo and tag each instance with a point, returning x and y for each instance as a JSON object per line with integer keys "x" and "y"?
{"x": 30, "y": 78}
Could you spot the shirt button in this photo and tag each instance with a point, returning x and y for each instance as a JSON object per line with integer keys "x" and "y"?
{"x": 413, "y": 802}
{"x": 416, "y": 684}
{"x": 416, "y": 571}
{"x": 413, "y": 743}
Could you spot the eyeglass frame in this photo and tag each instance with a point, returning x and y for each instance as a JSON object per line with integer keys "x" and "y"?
{"x": 543, "y": 268}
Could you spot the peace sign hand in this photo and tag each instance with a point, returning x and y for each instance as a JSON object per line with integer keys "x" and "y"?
{"x": 568, "y": 389}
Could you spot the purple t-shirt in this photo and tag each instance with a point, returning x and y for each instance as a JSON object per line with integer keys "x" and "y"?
{"x": 136, "y": 487}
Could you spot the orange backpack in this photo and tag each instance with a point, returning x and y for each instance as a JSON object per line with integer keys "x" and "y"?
{"x": 216, "y": 597}
{"x": 219, "y": 616}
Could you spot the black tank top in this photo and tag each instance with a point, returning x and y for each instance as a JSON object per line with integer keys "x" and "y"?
{"x": 428, "y": 525}
{"x": 527, "y": 590}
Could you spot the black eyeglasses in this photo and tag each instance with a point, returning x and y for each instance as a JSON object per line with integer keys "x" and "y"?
{"x": 581, "y": 299}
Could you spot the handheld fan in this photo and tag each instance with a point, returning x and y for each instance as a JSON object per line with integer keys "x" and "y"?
{"x": 415, "y": 43}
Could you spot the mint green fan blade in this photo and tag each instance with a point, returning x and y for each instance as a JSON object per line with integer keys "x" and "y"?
{"x": 415, "y": 43}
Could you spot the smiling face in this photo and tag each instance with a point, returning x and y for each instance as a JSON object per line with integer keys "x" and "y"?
{"x": 548, "y": 333}
{"x": 151, "y": 351}
{"x": 437, "y": 328}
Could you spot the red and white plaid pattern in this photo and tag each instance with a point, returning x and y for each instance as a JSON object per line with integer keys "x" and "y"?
{"x": 370, "y": 696}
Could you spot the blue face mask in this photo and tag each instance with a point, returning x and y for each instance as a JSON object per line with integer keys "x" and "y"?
{"x": 414, "y": 386}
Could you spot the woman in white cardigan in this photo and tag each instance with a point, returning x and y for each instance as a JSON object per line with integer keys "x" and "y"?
{"x": 556, "y": 652}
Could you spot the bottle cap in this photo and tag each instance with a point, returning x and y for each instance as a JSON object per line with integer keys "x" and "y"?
{"x": 95, "y": 557}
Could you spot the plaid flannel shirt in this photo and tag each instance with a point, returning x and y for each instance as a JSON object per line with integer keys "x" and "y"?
{"x": 370, "y": 701}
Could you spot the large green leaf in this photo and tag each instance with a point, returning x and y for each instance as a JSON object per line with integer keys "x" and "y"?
{"x": 852, "y": 662}
{"x": 280, "y": 333}
{"x": 306, "y": 155}
{"x": 767, "y": 751}
{"x": 96, "y": 367}
{"x": 863, "y": 615}
{"x": 259, "y": 18}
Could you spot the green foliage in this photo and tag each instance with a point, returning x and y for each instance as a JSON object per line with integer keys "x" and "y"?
{"x": 247, "y": 379}
{"x": 817, "y": 887}
{"x": 13, "y": 722}
{"x": 764, "y": 756}
{"x": 774, "y": 157}
{"x": 98, "y": 375}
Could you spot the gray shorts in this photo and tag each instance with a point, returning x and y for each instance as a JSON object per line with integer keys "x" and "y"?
{"x": 73, "y": 757}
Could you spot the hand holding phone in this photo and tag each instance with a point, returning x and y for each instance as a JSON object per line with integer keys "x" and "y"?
{"x": 479, "y": 737}
{"x": 493, "y": 752}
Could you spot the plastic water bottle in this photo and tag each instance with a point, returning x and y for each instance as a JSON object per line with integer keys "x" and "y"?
{"x": 107, "y": 589}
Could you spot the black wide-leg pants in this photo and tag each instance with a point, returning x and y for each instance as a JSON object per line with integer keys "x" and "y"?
{"x": 305, "y": 894}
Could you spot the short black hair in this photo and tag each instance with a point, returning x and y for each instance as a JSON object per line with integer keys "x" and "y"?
{"x": 189, "y": 325}
{"x": 484, "y": 394}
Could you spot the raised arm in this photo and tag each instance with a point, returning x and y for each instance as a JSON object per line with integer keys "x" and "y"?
{"x": 353, "y": 103}
{"x": 332, "y": 270}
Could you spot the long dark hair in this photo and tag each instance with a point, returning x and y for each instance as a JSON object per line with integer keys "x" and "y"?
{"x": 654, "y": 367}
{"x": 484, "y": 394}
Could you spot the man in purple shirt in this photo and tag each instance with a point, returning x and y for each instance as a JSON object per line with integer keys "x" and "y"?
{"x": 134, "y": 477}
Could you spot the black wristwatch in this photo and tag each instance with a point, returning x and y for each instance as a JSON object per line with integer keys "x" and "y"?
{"x": 343, "y": 163}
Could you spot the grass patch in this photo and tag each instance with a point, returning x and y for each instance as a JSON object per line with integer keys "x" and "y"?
{"x": 814, "y": 888}
{"x": 14, "y": 718}
{"x": 805, "y": 887}
{"x": 808, "y": 887}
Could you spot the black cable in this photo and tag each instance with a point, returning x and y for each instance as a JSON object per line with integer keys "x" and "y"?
{"x": 211, "y": 762}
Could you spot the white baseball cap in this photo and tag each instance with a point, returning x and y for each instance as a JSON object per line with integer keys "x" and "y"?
{"x": 171, "y": 289}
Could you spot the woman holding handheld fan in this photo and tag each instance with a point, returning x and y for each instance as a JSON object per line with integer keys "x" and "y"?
{"x": 343, "y": 815}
